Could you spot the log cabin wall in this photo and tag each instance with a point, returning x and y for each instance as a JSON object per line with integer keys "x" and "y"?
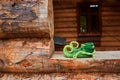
{"x": 110, "y": 39}
{"x": 65, "y": 16}
{"x": 65, "y": 21}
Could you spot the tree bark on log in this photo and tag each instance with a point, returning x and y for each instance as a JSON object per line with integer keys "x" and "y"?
{"x": 25, "y": 18}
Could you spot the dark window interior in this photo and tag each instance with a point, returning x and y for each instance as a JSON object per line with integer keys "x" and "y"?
{"x": 89, "y": 29}
{"x": 89, "y": 18}
{"x": 83, "y": 23}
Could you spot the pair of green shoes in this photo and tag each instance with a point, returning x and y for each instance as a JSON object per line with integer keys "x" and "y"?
{"x": 73, "y": 50}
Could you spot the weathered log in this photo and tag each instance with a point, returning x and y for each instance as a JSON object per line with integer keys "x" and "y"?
{"x": 58, "y": 63}
{"x": 32, "y": 18}
{"x": 15, "y": 51}
{"x": 59, "y": 76}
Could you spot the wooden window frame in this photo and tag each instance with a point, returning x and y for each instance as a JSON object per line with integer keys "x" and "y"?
{"x": 89, "y": 33}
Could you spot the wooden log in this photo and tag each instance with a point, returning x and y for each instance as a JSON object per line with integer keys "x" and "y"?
{"x": 66, "y": 34}
{"x": 65, "y": 15}
{"x": 69, "y": 19}
{"x": 67, "y": 10}
{"x": 14, "y": 51}
{"x": 111, "y": 17}
{"x": 108, "y": 48}
{"x": 71, "y": 39}
{"x": 106, "y": 61}
{"x": 111, "y": 13}
{"x": 62, "y": 5}
{"x": 113, "y": 34}
{"x": 112, "y": 3}
{"x": 26, "y": 17}
{"x": 112, "y": 43}
{"x": 66, "y": 24}
{"x": 65, "y": 30}
{"x": 110, "y": 8}
{"x": 59, "y": 76}
{"x": 110, "y": 39}
{"x": 114, "y": 22}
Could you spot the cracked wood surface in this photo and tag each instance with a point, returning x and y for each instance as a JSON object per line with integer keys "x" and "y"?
{"x": 26, "y": 18}
{"x": 58, "y": 63}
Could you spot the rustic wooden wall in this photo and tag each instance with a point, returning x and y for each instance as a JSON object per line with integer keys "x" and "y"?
{"x": 66, "y": 23}
{"x": 110, "y": 39}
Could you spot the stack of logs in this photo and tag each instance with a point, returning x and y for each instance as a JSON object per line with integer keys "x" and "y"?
{"x": 26, "y": 33}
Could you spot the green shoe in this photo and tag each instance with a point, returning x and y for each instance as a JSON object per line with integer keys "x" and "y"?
{"x": 72, "y": 50}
